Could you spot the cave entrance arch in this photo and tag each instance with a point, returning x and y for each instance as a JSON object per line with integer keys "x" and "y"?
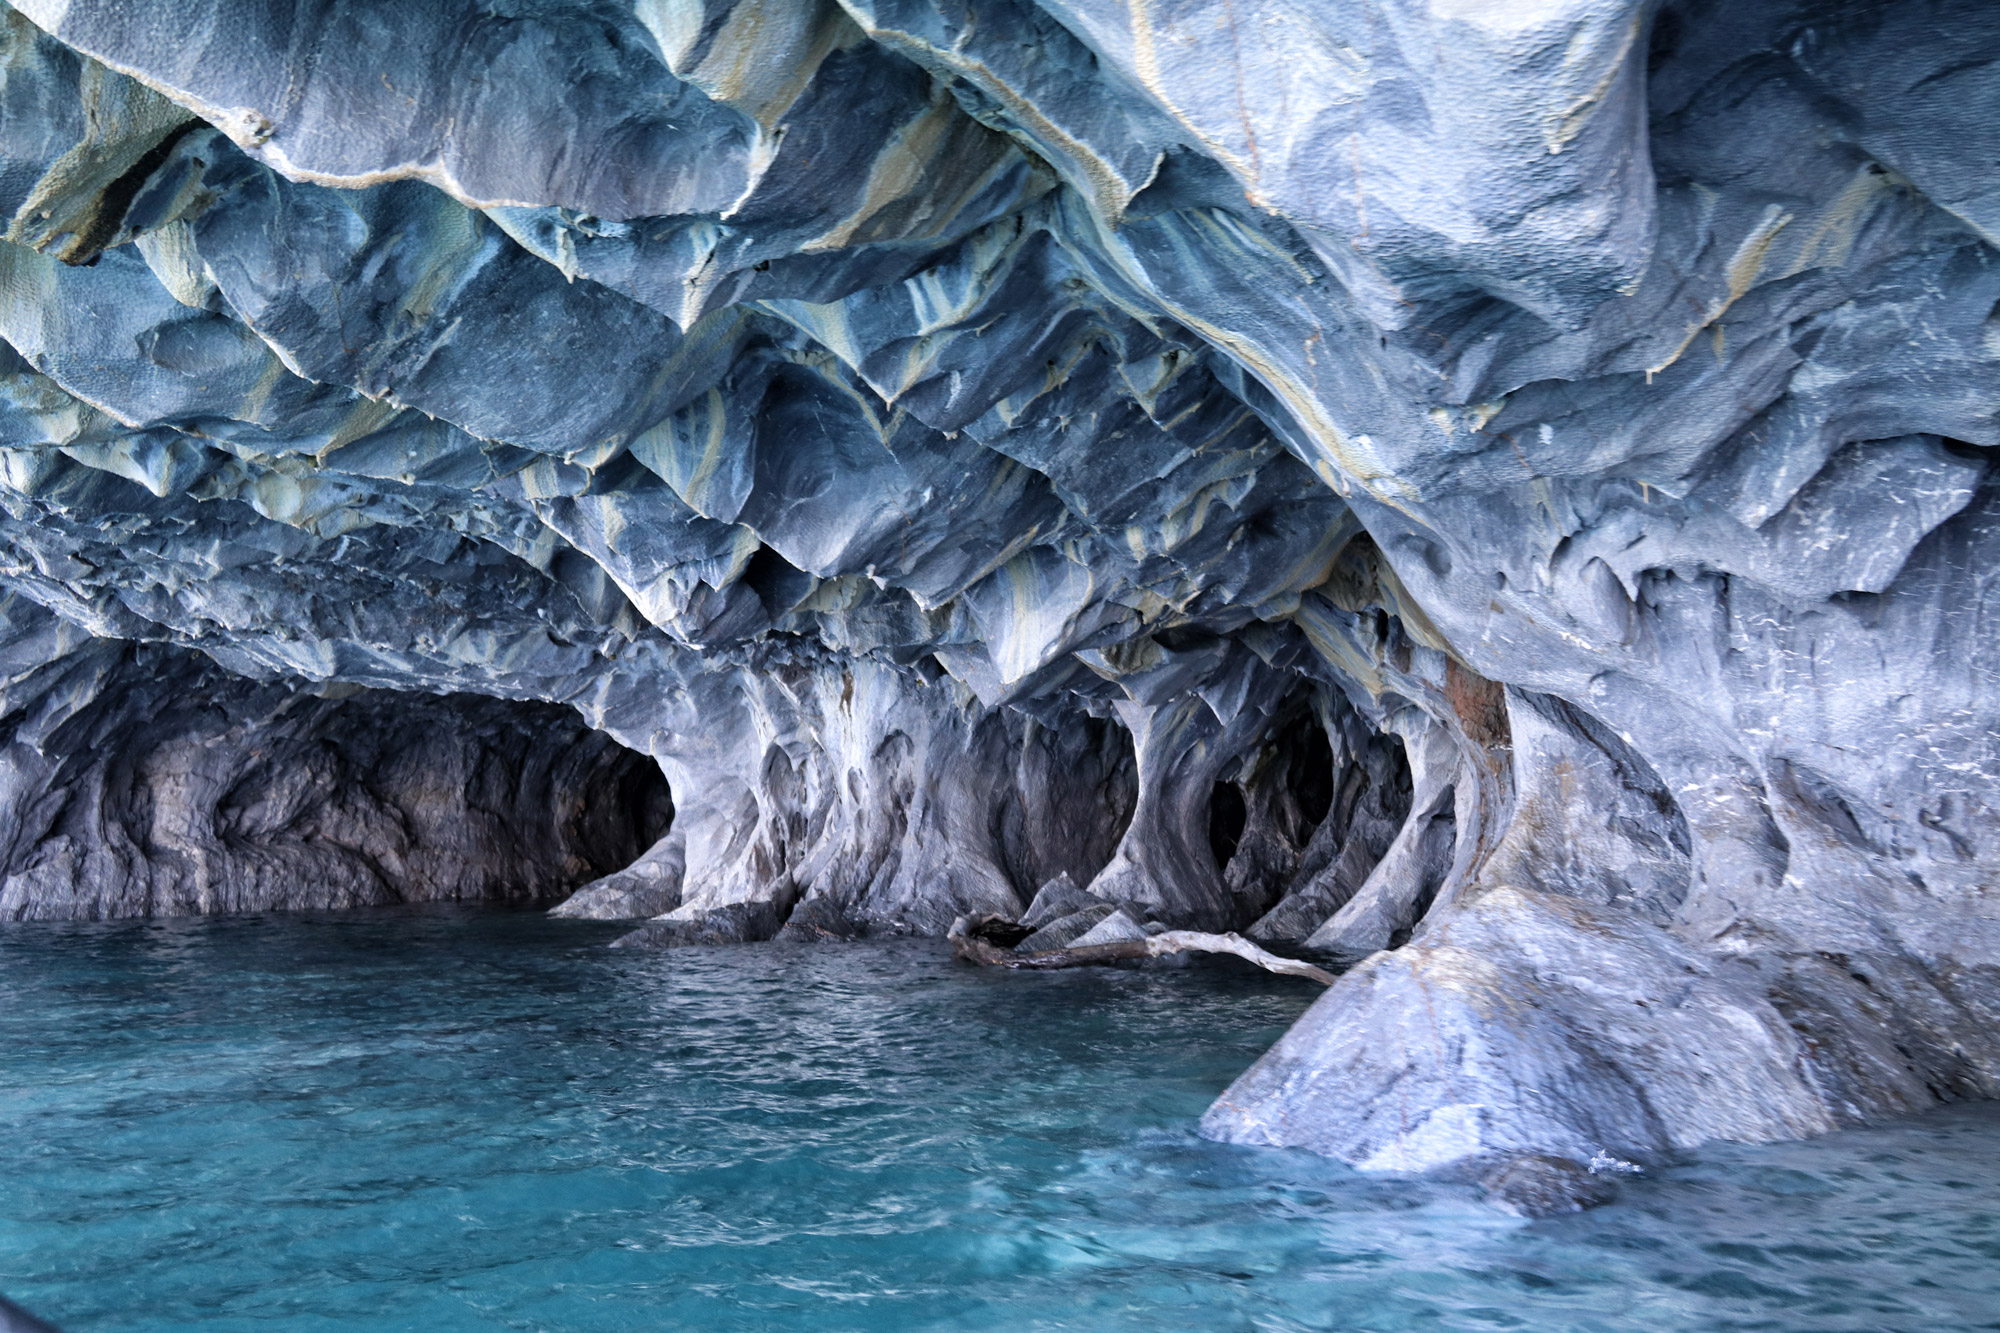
{"x": 180, "y": 789}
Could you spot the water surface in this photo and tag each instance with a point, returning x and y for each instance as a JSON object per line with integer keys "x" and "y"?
{"x": 465, "y": 1120}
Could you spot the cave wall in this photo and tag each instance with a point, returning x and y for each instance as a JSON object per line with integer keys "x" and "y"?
{"x": 1498, "y": 494}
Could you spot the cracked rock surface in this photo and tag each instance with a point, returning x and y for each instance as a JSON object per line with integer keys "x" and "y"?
{"x": 1499, "y": 494}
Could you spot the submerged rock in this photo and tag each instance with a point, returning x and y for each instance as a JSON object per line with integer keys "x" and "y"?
{"x": 1537, "y": 1185}
{"x": 734, "y": 923}
{"x": 1501, "y": 495}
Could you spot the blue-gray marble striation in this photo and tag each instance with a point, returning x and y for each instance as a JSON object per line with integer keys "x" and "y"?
{"x": 1500, "y": 494}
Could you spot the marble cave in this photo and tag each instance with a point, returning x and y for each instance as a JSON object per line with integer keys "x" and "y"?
{"x": 1494, "y": 497}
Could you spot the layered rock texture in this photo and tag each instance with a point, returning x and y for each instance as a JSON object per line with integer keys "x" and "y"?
{"x": 1497, "y": 493}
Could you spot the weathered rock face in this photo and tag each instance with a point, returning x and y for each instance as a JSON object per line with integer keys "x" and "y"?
{"x": 1499, "y": 493}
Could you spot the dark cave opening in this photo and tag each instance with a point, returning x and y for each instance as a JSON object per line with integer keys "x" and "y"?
{"x": 1311, "y": 778}
{"x": 457, "y": 797}
{"x": 625, "y": 808}
{"x": 505, "y": 800}
{"x": 233, "y": 795}
{"x": 1227, "y": 817}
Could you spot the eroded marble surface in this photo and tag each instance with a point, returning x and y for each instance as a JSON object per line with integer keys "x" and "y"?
{"x": 1497, "y": 494}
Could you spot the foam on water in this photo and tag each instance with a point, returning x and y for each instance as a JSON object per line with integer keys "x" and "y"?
{"x": 452, "y": 1120}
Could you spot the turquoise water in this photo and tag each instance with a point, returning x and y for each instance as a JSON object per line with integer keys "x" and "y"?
{"x": 486, "y": 1120}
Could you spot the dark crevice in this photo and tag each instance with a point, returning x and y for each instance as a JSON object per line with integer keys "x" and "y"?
{"x": 1311, "y": 778}
{"x": 109, "y": 216}
{"x": 1227, "y": 815}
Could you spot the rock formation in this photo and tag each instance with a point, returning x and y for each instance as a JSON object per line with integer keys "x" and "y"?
{"x": 1499, "y": 494}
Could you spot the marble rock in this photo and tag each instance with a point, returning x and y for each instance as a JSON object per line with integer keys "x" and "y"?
{"x": 1498, "y": 494}
{"x": 13, "y": 1319}
{"x": 1537, "y": 1185}
{"x": 649, "y": 887}
{"x": 1054, "y": 900}
{"x": 1064, "y": 931}
{"x": 1117, "y": 927}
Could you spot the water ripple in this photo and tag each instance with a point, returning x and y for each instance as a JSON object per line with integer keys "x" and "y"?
{"x": 448, "y": 1120}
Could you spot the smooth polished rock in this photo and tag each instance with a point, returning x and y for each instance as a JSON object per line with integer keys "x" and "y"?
{"x": 1117, "y": 928}
{"x": 1054, "y": 900}
{"x": 650, "y": 886}
{"x": 1066, "y": 930}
